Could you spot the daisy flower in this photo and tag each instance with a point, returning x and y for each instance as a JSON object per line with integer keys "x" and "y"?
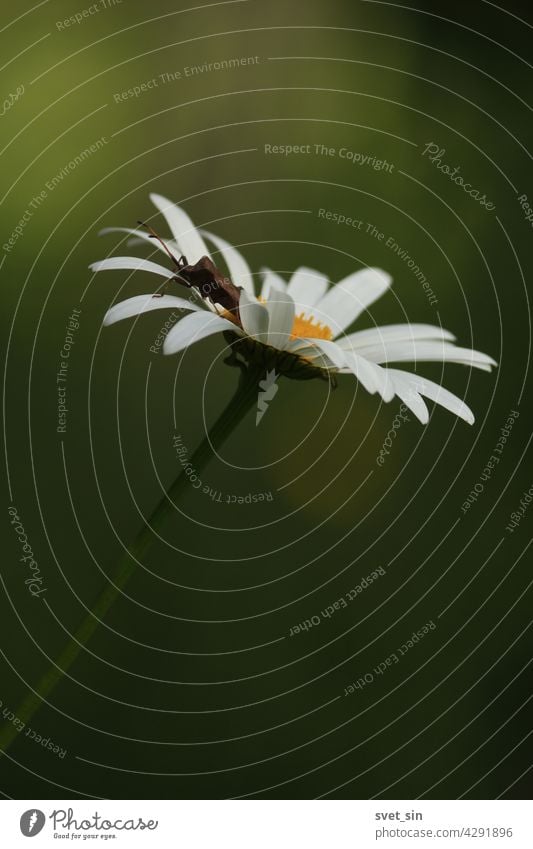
{"x": 297, "y": 328}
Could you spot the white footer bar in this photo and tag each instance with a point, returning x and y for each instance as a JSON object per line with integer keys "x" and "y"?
{"x": 268, "y": 824}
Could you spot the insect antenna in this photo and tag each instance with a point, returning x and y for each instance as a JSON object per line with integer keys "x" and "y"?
{"x": 179, "y": 263}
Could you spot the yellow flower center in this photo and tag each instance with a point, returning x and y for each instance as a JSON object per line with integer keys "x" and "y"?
{"x": 302, "y": 327}
{"x": 308, "y": 327}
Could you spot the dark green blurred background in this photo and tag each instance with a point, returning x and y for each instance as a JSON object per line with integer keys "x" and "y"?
{"x": 192, "y": 686}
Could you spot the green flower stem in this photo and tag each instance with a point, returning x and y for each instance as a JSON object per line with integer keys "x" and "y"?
{"x": 244, "y": 399}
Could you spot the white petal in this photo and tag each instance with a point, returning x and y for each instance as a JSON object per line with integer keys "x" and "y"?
{"x": 361, "y": 369}
{"x": 137, "y": 240}
{"x": 145, "y": 303}
{"x": 408, "y": 393}
{"x": 307, "y": 286}
{"x": 317, "y": 359}
{"x": 373, "y": 377}
{"x": 324, "y": 346}
{"x": 389, "y": 333}
{"x": 345, "y": 301}
{"x": 368, "y": 372}
{"x": 238, "y": 268}
{"x": 191, "y": 244}
{"x": 412, "y": 351}
{"x": 435, "y": 393}
{"x": 271, "y": 280}
{"x": 280, "y": 307}
{"x": 131, "y": 263}
{"x": 254, "y": 317}
{"x": 192, "y": 328}
{"x": 140, "y": 236}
